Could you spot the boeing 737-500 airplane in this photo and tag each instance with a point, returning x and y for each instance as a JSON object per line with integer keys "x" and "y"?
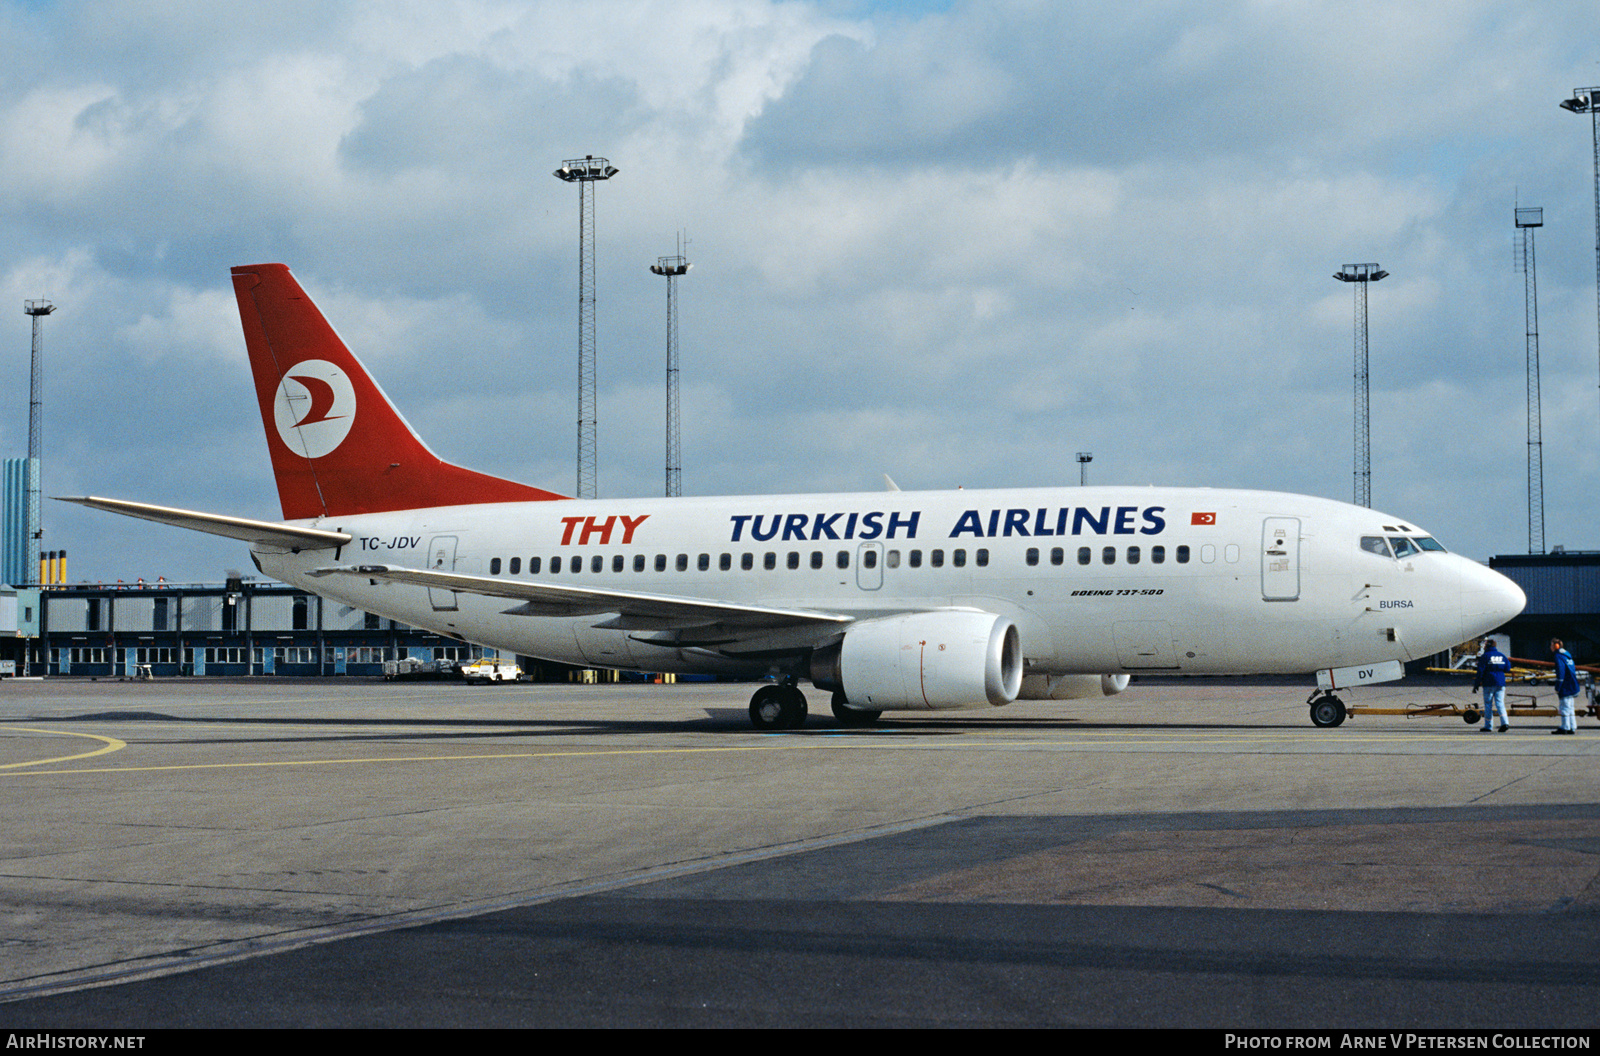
{"x": 888, "y": 601}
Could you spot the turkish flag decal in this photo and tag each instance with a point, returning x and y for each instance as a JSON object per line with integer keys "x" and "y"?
{"x": 1202, "y": 518}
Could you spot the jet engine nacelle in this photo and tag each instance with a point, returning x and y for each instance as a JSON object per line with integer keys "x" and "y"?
{"x": 1071, "y": 687}
{"x": 926, "y": 660}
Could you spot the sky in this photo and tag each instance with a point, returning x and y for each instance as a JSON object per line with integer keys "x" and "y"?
{"x": 956, "y": 243}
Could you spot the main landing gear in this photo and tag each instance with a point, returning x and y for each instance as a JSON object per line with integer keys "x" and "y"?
{"x": 783, "y": 707}
{"x": 1326, "y": 709}
{"x": 780, "y": 707}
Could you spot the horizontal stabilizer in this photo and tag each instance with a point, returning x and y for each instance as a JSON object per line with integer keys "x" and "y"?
{"x": 256, "y": 533}
{"x": 552, "y": 600}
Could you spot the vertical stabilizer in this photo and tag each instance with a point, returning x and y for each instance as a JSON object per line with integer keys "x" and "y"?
{"x": 338, "y": 445}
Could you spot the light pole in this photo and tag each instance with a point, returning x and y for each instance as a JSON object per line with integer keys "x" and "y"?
{"x": 1587, "y": 101}
{"x": 584, "y": 171}
{"x": 38, "y": 310}
{"x": 1361, "y": 275}
{"x": 672, "y": 268}
{"x": 1084, "y": 458}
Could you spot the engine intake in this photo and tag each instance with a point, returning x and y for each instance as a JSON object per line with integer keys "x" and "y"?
{"x": 925, "y": 661}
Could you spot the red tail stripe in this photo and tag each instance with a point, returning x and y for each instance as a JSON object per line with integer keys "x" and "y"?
{"x": 381, "y": 465}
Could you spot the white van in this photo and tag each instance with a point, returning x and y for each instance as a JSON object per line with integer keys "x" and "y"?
{"x": 491, "y": 669}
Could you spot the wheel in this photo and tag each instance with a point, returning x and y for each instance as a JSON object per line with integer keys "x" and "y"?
{"x": 778, "y": 708}
{"x": 1470, "y": 716}
{"x": 1327, "y": 711}
{"x": 850, "y": 717}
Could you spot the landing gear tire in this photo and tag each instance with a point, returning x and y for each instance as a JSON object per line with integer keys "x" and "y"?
{"x": 778, "y": 708}
{"x": 1327, "y": 711}
{"x": 852, "y": 718}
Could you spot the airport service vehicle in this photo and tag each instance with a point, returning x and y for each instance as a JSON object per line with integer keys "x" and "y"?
{"x": 491, "y": 669}
{"x": 408, "y": 667}
{"x": 887, "y": 601}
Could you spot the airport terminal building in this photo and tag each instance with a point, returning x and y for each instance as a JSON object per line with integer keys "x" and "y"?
{"x": 242, "y": 627}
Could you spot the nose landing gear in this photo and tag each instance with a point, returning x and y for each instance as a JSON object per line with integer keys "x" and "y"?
{"x": 1327, "y": 710}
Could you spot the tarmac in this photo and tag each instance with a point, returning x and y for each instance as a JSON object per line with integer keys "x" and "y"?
{"x": 1191, "y": 853}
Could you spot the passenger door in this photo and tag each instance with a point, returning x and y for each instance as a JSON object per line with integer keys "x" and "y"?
{"x": 442, "y": 558}
{"x": 1280, "y": 559}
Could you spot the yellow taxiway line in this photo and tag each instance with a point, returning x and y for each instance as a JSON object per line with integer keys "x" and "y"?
{"x": 111, "y": 745}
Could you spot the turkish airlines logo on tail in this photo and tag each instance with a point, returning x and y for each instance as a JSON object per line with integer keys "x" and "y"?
{"x": 315, "y": 408}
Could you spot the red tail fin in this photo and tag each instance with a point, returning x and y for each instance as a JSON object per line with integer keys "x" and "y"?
{"x": 338, "y": 445}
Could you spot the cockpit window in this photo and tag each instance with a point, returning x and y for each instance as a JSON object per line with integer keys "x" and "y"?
{"x": 1374, "y": 544}
{"x": 1427, "y": 542}
{"x": 1403, "y": 547}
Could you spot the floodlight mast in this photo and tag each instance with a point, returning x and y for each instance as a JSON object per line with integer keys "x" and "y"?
{"x": 672, "y": 268}
{"x": 38, "y": 310}
{"x": 584, "y": 171}
{"x": 1361, "y": 275}
{"x": 1084, "y": 458}
{"x": 1587, "y": 101}
{"x": 1527, "y": 219}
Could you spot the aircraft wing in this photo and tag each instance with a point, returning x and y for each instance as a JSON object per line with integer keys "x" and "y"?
{"x": 257, "y": 533}
{"x": 636, "y": 610}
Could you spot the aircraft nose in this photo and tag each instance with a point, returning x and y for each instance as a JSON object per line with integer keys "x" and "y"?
{"x": 1489, "y": 601}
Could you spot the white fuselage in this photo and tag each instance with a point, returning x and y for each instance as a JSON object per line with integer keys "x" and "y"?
{"x": 1097, "y": 580}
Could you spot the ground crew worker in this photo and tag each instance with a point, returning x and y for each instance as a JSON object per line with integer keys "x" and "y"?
{"x": 1566, "y": 689}
{"x": 1493, "y": 666}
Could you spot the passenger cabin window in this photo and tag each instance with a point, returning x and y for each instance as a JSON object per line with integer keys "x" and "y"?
{"x": 683, "y": 563}
{"x": 1083, "y": 555}
{"x": 516, "y": 566}
{"x": 916, "y": 558}
{"x": 617, "y": 563}
{"x": 555, "y": 564}
{"x": 958, "y": 558}
{"x": 869, "y": 558}
{"x": 661, "y": 562}
{"x": 816, "y": 559}
{"x": 794, "y": 559}
{"x": 891, "y": 559}
{"x": 494, "y": 566}
{"x": 725, "y": 562}
{"x": 842, "y": 560}
{"x": 769, "y": 561}
{"x": 1108, "y": 556}
{"x": 1183, "y": 554}
{"x": 981, "y": 557}
{"x": 936, "y": 558}
{"x": 533, "y": 566}
{"x": 1133, "y": 555}
{"x": 1158, "y": 555}
{"x": 747, "y": 561}
{"x": 703, "y": 563}
{"x": 1057, "y": 555}
{"x": 597, "y": 563}
{"x": 1032, "y": 556}
{"x": 638, "y": 562}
